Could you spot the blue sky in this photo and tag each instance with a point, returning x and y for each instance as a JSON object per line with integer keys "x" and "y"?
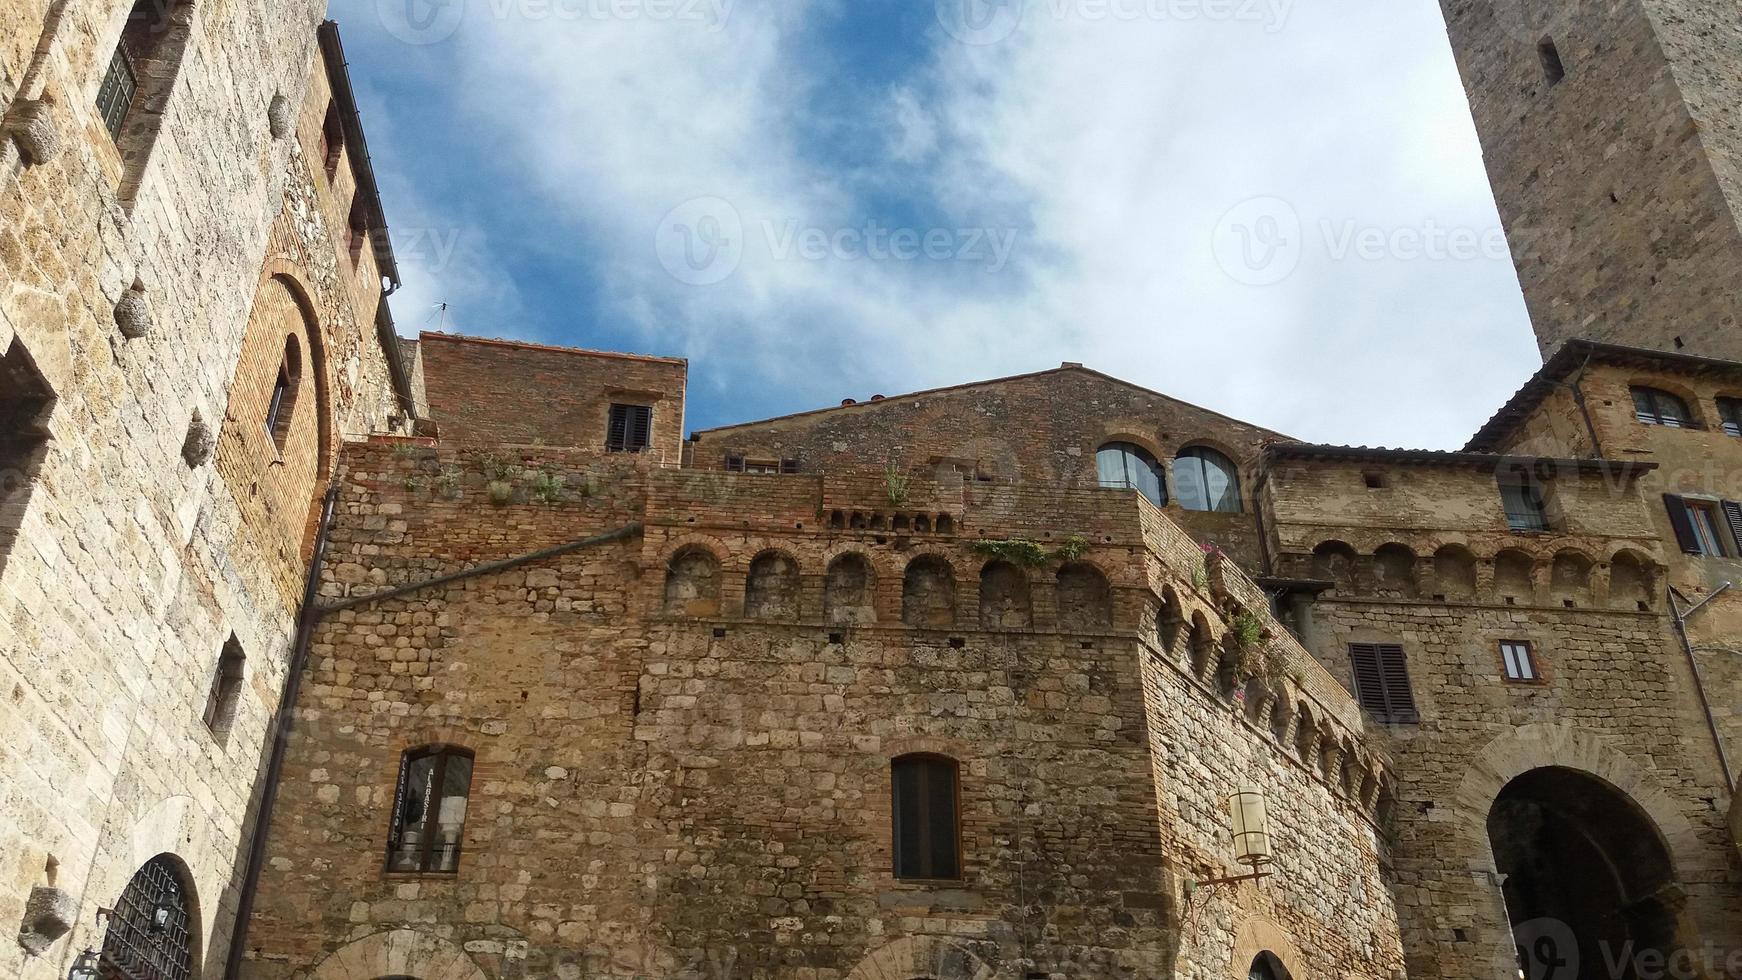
{"x": 1272, "y": 208}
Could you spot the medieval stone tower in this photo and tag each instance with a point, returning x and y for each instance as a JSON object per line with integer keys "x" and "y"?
{"x": 1612, "y": 140}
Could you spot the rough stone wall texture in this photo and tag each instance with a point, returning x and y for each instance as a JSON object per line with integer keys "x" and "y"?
{"x": 1618, "y": 186}
{"x": 1701, "y": 462}
{"x": 1042, "y": 428}
{"x": 499, "y": 392}
{"x": 1616, "y": 697}
{"x": 130, "y": 569}
{"x": 656, "y": 792}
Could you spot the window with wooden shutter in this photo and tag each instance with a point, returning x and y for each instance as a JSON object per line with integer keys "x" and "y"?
{"x": 630, "y": 429}
{"x": 1679, "y": 522}
{"x": 1733, "y": 517}
{"x": 1382, "y": 683}
{"x": 927, "y": 829}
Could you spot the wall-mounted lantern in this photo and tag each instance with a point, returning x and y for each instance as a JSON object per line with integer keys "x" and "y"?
{"x": 85, "y": 967}
{"x": 1251, "y": 841}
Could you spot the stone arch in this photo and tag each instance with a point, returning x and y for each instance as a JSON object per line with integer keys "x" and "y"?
{"x": 1085, "y": 598}
{"x": 692, "y": 582}
{"x": 1454, "y": 571}
{"x": 922, "y": 956}
{"x": 162, "y": 885}
{"x": 401, "y": 952}
{"x": 292, "y": 278}
{"x": 1514, "y": 576}
{"x": 928, "y": 592}
{"x": 1570, "y": 578}
{"x": 1334, "y": 561}
{"x": 849, "y": 593}
{"x": 771, "y": 587}
{"x": 1281, "y": 716}
{"x": 1394, "y": 571}
{"x": 1258, "y": 935}
{"x": 1203, "y": 647}
{"x": 1004, "y": 597}
{"x": 1631, "y": 577}
{"x": 1565, "y": 746}
{"x": 1170, "y": 621}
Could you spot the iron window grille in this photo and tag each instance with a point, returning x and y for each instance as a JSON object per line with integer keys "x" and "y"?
{"x": 147, "y": 937}
{"x": 1526, "y": 506}
{"x": 927, "y": 801}
{"x": 1656, "y": 407}
{"x": 429, "y": 811}
{"x": 115, "y": 96}
{"x": 630, "y": 429}
{"x": 1519, "y": 660}
{"x": 1382, "y": 683}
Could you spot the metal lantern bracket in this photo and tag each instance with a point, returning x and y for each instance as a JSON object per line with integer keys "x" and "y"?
{"x": 1193, "y": 886}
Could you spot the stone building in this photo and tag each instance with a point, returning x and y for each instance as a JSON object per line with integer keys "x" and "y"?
{"x": 332, "y": 656}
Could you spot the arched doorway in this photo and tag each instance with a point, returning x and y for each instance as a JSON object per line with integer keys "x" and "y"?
{"x": 1266, "y": 966}
{"x": 152, "y": 933}
{"x": 1589, "y": 884}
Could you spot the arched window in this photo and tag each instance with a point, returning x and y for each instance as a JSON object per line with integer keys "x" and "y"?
{"x": 429, "y": 810}
{"x": 1654, "y": 406}
{"x": 927, "y": 826}
{"x": 1206, "y": 480}
{"x": 1124, "y": 466}
{"x": 150, "y": 935}
{"x": 282, "y": 407}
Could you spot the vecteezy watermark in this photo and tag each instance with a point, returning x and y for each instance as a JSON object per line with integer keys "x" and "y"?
{"x": 702, "y": 241}
{"x": 432, "y": 21}
{"x": 991, "y": 21}
{"x": 1260, "y": 241}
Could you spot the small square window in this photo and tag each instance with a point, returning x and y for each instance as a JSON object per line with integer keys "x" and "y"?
{"x": 630, "y": 429}
{"x": 1526, "y": 507}
{"x": 1519, "y": 660}
{"x": 1374, "y": 481}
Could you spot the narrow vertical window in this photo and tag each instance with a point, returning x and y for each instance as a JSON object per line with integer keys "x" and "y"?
{"x": 1382, "y": 682}
{"x": 1518, "y": 659}
{"x": 927, "y": 828}
{"x": 26, "y": 402}
{"x": 429, "y": 810}
{"x": 1553, "y": 68}
{"x": 1526, "y": 507}
{"x": 281, "y": 407}
{"x": 226, "y": 693}
{"x": 629, "y": 429}
{"x": 1730, "y": 412}
{"x": 358, "y": 223}
{"x": 133, "y": 97}
{"x": 332, "y": 140}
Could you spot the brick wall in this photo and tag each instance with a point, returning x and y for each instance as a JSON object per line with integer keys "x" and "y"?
{"x": 495, "y": 392}
{"x": 657, "y": 792}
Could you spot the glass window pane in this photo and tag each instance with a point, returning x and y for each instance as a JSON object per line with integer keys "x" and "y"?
{"x": 1122, "y": 465}
{"x": 1206, "y": 480}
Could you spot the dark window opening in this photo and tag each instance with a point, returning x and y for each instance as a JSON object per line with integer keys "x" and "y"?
{"x": 149, "y": 935}
{"x": 358, "y": 223}
{"x": 429, "y": 810}
{"x": 1519, "y": 661}
{"x": 1374, "y": 481}
{"x": 1657, "y": 407}
{"x": 630, "y": 429}
{"x": 25, "y": 404}
{"x": 1525, "y": 503}
{"x": 1730, "y": 414}
{"x": 734, "y": 463}
{"x": 1124, "y": 466}
{"x": 133, "y": 97}
{"x": 226, "y": 694}
{"x": 1553, "y": 68}
{"x": 1206, "y": 480}
{"x": 927, "y": 827}
{"x": 281, "y": 409}
{"x": 1382, "y": 683}
{"x": 332, "y": 140}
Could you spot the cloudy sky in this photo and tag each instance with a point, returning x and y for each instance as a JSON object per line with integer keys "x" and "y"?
{"x": 1271, "y": 208}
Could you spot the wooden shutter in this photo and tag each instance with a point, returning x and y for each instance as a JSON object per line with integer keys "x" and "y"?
{"x": 617, "y": 431}
{"x": 926, "y": 832}
{"x": 1733, "y": 515}
{"x": 1684, "y": 526}
{"x": 1382, "y": 682}
{"x": 640, "y": 427}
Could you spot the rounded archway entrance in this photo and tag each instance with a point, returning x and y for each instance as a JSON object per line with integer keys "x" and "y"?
{"x": 1589, "y": 884}
{"x": 1266, "y": 966}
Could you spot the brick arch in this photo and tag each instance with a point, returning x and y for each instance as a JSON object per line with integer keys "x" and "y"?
{"x": 294, "y": 279}
{"x": 401, "y": 952}
{"x": 677, "y": 544}
{"x": 1566, "y": 746}
{"x": 931, "y": 957}
{"x": 1258, "y": 934}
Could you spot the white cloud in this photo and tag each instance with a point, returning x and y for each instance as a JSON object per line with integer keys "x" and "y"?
{"x": 1111, "y": 149}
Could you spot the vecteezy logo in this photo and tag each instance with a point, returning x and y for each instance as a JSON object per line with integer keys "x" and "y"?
{"x": 980, "y": 21}
{"x": 701, "y": 241}
{"x": 421, "y": 21}
{"x": 1258, "y": 242}
{"x": 1547, "y": 950}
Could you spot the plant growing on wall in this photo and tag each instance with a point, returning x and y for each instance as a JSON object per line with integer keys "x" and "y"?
{"x": 895, "y": 485}
{"x": 1022, "y": 554}
{"x": 501, "y": 492}
{"x": 1074, "y": 547}
{"x": 546, "y": 487}
{"x": 448, "y": 483}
